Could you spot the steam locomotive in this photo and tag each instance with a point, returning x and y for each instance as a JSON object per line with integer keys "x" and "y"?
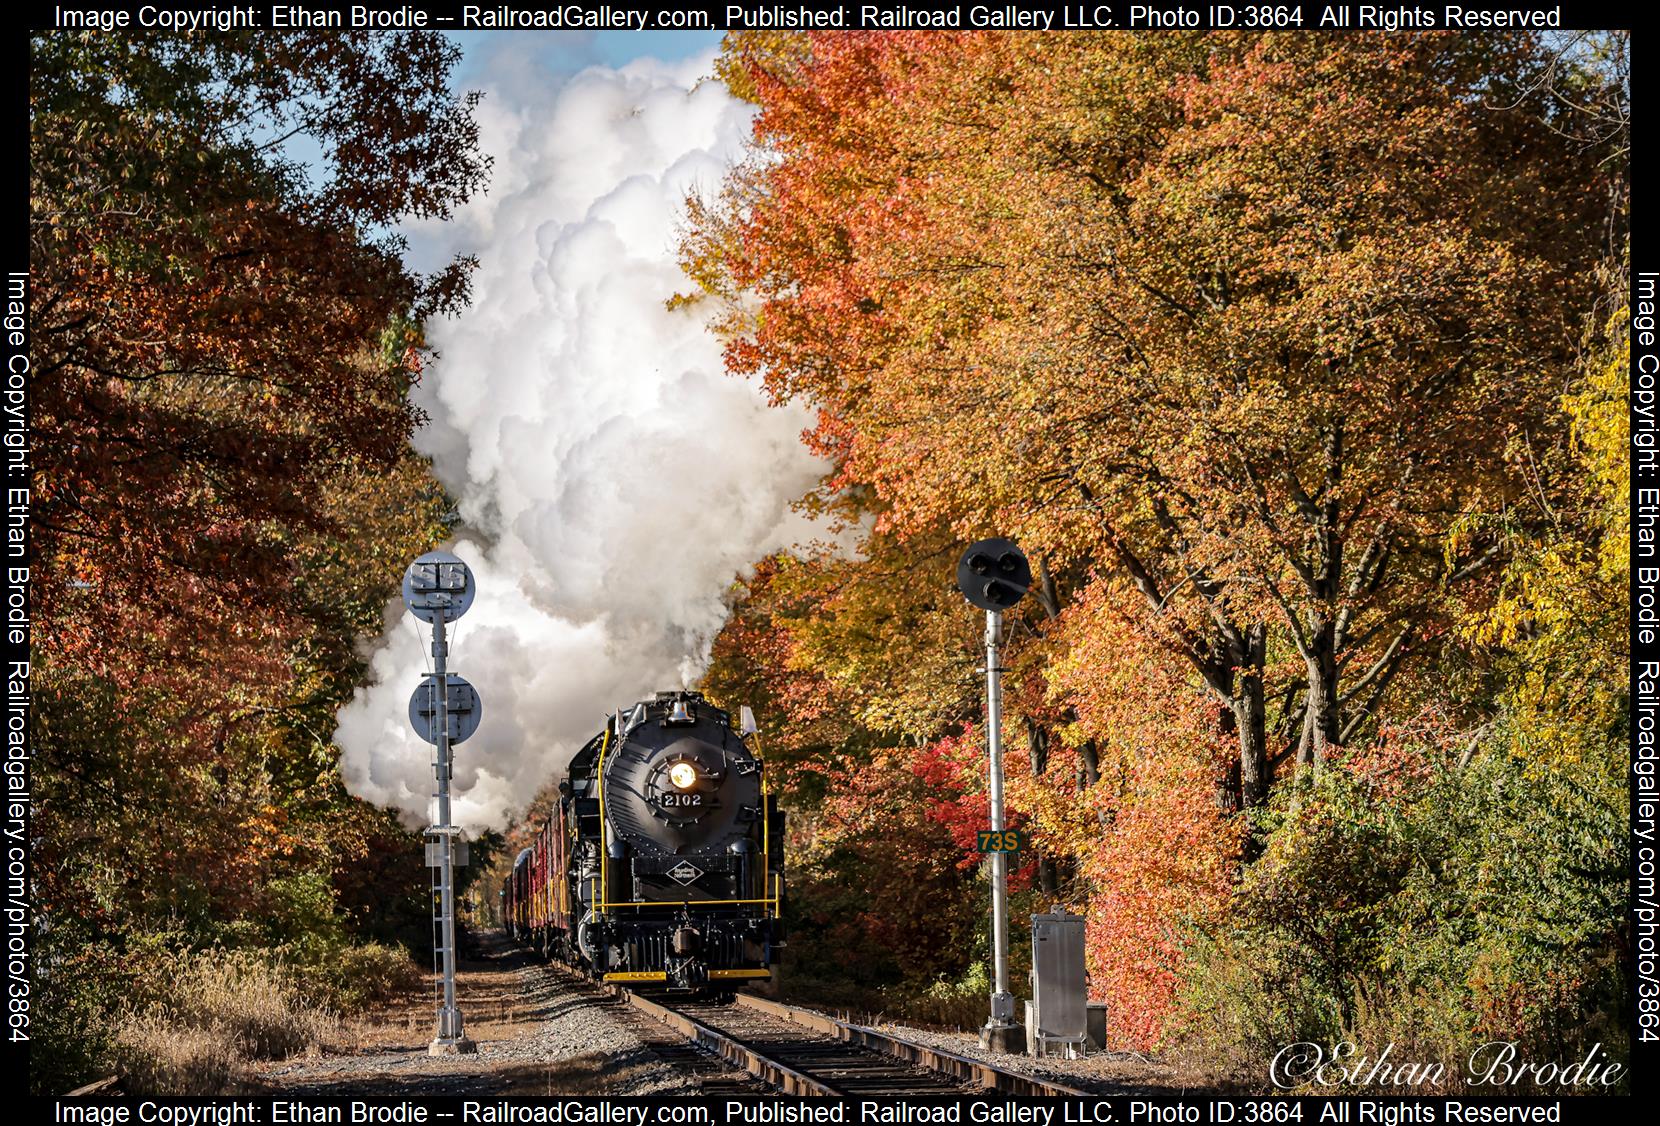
{"x": 662, "y": 864}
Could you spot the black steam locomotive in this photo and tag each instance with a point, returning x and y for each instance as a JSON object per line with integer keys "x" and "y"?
{"x": 662, "y": 865}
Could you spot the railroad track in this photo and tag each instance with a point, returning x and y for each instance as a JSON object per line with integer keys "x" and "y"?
{"x": 801, "y": 1052}
{"x": 715, "y": 1076}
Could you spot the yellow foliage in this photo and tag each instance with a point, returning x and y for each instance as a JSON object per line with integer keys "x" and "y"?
{"x": 1565, "y": 600}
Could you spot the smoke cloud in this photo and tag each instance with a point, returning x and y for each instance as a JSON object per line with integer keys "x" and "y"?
{"x": 615, "y": 479}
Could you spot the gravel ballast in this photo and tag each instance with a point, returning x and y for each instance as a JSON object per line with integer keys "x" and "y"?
{"x": 538, "y": 1033}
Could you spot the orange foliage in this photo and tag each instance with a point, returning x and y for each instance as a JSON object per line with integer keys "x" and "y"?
{"x": 1225, "y": 329}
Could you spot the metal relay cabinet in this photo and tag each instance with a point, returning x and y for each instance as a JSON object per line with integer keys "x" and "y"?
{"x": 1058, "y": 1015}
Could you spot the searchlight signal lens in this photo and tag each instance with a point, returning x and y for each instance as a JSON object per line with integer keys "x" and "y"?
{"x": 994, "y": 574}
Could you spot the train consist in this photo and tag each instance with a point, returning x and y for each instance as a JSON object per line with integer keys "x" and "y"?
{"x": 662, "y": 864}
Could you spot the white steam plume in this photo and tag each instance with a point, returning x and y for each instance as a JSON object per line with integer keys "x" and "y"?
{"x": 617, "y": 478}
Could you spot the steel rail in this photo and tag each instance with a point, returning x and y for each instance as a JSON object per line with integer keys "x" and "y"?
{"x": 965, "y": 1068}
{"x": 785, "y": 1078}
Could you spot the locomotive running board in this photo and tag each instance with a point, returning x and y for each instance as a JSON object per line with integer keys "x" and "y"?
{"x": 786, "y": 1079}
{"x": 975, "y": 1071}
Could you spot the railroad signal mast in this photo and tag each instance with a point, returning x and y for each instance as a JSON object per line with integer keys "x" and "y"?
{"x": 438, "y": 588}
{"x": 994, "y": 575}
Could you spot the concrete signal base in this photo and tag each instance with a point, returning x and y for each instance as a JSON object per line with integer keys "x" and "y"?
{"x": 460, "y": 1047}
{"x": 1007, "y": 1038}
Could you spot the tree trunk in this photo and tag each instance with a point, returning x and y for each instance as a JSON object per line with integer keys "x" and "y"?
{"x": 1235, "y": 677}
{"x": 1037, "y": 743}
{"x": 1092, "y": 763}
{"x": 1229, "y": 797}
{"x": 1048, "y": 874}
{"x": 1250, "y": 713}
{"x": 1321, "y": 718}
{"x": 1090, "y": 773}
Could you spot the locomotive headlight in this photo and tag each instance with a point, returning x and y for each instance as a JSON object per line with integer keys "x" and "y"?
{"x": 683, "y": 775}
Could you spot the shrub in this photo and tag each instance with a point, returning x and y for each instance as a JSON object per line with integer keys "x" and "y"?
{"x": 257, "y": 1004}
{"x": 74, "y": 1030}
{"x": 960, "y": 1004}
{"x": 157, "y": 1055}
{"x": 1242, "y": 999}
{"x": 351, "y": 977}
{"x": 1471, "y": 902}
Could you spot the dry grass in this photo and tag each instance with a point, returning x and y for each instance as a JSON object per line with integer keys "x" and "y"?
{"x": 157, "y": 1056}
{"x": 257, "y": 1004}
{"x": 494, "y": 1001}
{"x": 221, "y": 1010}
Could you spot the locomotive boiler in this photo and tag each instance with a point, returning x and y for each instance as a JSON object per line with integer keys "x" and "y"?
{"x": 662, "y": 863}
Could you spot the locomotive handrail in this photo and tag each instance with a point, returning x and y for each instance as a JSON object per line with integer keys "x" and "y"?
{"x": 600, "y": 905}
{"x": 766, "y": 820}
{"x": 692, "y": 902}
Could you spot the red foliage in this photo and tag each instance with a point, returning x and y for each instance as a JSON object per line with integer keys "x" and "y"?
{"x": 954, "y": 768}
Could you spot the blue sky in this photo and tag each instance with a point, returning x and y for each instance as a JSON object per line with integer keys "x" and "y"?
{"x": 525, "y": 63}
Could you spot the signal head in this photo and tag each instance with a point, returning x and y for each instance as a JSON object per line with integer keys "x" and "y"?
{"x": 994, "y": 574}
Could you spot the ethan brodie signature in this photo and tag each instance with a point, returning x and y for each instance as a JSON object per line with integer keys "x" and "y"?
{"x": 1498, "y": 1063}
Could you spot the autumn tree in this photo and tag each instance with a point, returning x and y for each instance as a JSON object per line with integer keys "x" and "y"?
{"x": 1250, "y": 321}
{"x": 207, "y": 312}
{"x": 1255, "y": 342}
{"x": 224, "y": 337}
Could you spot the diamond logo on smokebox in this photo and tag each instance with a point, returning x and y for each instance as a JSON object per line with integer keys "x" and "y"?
{"x": 685, "y": 873}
